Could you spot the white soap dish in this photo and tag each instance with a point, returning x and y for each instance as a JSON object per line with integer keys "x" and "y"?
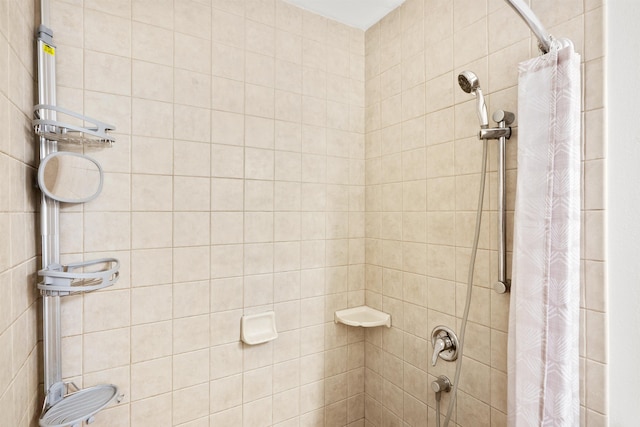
{"x": 258, "y": 328}
{"x": 364, "y": 316}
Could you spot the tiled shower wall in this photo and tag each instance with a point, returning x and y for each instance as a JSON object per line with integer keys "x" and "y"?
{"x": 422, "y": 179}
{"x": 19, "y": 367}
{"x": 236, "y": 186}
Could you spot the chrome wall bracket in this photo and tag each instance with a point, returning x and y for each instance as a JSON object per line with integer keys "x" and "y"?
{"x": 504, "y": 119}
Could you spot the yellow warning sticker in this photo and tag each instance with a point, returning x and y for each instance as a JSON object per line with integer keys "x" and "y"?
{"x": 49, "y": 49}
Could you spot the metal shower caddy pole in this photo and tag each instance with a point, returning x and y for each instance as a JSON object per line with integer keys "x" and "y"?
{"x": 64, "y": 405}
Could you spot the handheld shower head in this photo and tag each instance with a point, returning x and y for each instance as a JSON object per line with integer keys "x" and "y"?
{"x": 470, "y": 83}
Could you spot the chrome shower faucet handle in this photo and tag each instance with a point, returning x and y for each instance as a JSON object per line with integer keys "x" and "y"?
{"x": 445, "y": 344}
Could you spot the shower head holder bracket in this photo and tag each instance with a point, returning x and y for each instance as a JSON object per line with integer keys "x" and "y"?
{"x": 504, "y": 119}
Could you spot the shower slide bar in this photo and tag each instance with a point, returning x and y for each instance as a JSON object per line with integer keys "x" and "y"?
{"x": 545, "y": 39}
{"x": 504, "y": 119}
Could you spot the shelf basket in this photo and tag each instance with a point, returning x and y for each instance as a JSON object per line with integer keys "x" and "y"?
{"x": 79, "y": 406}
{"x": 64, "y": 279}
{"x": 62, "y": 131}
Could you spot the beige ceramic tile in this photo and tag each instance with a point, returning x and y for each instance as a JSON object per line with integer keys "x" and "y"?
{"x": 227, "y": 95}
{"x": 226, "y": 393}
{"x": 190, "y": 403}
{"x": 190, "y": 299}
{"x": 106, "y": 310}
{"x": 150, "y": 378}
{"x": 226, "y": 194}
{"x": 191, "y": 193}
{"x": 190, "y": 369}
{"x": 158, "y": 13}
{"x": 258, "y": 413}
{"x": 259, "y": 38}
{"x": 107, "y": 33}
{"x": 226, "y": 261}
{"x": 190, "y": 333}
{"x": 151, "y": 230}
{"x": 151, "y": 304}
{"x": 193, "y": 18}
{"x": 155, "y": 410}
{"x": 106, "y": 349}
{"x": 228, "y": 28}
{"x": 259, "y": 195}
{"x": 191, "y": 263}
{"x": 258, "y": 290}
{"x": 151, "y": 267}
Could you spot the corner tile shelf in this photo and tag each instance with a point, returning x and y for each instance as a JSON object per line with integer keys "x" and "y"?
{"x": 363, "y": 316}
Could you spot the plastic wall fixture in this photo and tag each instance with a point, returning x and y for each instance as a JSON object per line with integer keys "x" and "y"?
{"x": 65, "y": 280}
{"x": 79, "y": 406}
{"x": 363, "y": 316}
{"x": 65, "y": 131}
{"x": 258, "y": 328}
{"x": 70, "y": 177}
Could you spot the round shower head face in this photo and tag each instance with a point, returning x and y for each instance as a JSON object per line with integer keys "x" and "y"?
{"x": 468, "y": 81}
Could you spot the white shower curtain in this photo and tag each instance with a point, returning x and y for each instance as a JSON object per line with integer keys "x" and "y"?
{"x": 543, "y": 363}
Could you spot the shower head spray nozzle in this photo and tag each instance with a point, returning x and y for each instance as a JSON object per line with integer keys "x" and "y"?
{"x": 470, "y": 83}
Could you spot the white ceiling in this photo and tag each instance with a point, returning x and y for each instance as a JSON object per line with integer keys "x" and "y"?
{"x": 354, "y": 13}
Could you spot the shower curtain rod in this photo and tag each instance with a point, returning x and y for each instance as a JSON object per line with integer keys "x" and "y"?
{"x": 527, "y": 15}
